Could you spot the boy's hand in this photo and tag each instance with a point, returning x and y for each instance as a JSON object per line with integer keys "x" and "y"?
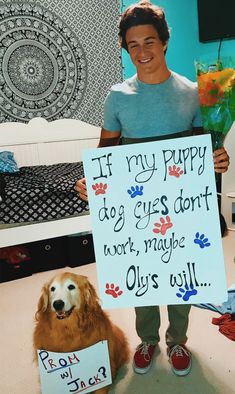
{"x": 80, "y": 187}
{"x": 221, "y": 160}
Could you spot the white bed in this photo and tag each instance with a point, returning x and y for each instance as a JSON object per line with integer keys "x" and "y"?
{"x": 44, "y": 143}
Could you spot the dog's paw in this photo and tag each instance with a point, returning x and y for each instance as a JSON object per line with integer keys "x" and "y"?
{"x": 99, "y": 188}
{"x": 175, "y": 171}
{"x": 186, "y": 293}
{"x": 163, "y": 226}
{"x": 201, "y": 240}
{"x": 113, "y": 290}
{"x": 135, "y": 191}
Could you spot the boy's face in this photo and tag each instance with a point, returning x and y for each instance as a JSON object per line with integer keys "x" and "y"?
{"x": 146, "y": 51}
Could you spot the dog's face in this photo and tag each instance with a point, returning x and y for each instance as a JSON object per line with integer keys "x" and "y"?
{"x": 63, "y": 297}
{"x": 66, "y": 292}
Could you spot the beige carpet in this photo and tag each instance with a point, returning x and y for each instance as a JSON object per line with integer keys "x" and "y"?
{"x": 213, "y": 369}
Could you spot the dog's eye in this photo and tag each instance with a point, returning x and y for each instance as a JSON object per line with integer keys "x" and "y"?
{"x": 52, "y": 288}
{"x": 71, "y": 287}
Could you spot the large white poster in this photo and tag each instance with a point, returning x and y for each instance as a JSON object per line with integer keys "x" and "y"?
{"x": 155, "y": 223}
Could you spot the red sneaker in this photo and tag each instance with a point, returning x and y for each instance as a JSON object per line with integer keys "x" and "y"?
{"x": 180, "y": 359}
{"x": 143, "y": 357}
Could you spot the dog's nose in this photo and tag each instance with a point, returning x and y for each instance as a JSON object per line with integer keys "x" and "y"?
{"x": 58, "y": 305}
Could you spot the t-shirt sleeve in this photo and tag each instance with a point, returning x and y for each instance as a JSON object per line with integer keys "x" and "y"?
{"x": 111, "y": 121}
{"x": 197, "y": 120}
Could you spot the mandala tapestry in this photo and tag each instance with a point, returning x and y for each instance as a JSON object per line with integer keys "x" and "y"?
{"x": 58, "y": 58}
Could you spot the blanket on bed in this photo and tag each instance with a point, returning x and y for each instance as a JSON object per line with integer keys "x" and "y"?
{"x": 39, "y": 193}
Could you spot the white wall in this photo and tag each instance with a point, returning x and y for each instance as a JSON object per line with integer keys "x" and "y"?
{"x": 228, "y": 180}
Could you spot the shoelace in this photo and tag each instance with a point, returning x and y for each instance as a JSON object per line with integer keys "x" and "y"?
{"x": 179, "y": 350}
{"x": 144, "y": 348}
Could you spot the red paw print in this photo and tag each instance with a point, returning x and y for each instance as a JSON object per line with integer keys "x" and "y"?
{"x": 100, "y": 188}
{"x": 113, "y": 290}
{"x": 163, "y": 226}
{"x": 175, "y": 171}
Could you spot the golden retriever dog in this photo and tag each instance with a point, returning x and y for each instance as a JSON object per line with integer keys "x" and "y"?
{"x": 69, "y": 318}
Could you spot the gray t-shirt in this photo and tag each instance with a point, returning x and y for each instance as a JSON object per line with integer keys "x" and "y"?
{"x": 140, "y": 110}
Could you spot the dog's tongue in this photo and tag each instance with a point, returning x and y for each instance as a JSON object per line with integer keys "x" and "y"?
{"x": 61, "y": 313}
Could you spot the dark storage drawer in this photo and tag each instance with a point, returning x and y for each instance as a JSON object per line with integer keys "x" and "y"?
{"x": 14, "y": 271}
{"x": 15, "y": 263}
{"x": 81, "y": 250}
{"x": 49, "y": 254}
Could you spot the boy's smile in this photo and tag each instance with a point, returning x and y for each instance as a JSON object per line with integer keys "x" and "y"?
{"x": 147, "y": 53}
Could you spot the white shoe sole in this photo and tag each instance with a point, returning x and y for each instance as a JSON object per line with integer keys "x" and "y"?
{"x": 141, "y": 371}
{"x": 182, "y": 372}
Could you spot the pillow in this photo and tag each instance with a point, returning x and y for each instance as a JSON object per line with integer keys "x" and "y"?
{"x": 7, "y": 162}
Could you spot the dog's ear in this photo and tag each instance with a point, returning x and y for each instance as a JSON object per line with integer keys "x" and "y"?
{"x": 90, "y": 296}
{"x": 42, "y": 302}
{"x": 90, "y": 311}
{"x": 90, "y": 293}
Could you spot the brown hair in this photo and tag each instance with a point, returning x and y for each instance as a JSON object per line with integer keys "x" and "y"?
{"x": 143, "y": 13}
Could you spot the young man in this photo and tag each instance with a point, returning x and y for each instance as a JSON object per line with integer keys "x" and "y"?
{"x": 154, "y": 104}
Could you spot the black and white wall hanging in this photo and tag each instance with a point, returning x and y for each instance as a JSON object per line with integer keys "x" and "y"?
{"x": 58, "y": 58}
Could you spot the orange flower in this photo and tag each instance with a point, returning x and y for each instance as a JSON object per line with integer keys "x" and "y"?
{"x": 222, "y": 77}
{"x": 210, "y": 92}
{"x": 231, "y": 83}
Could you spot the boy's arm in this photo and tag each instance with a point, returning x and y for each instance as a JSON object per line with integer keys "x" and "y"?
{"x": 109, "y": 138}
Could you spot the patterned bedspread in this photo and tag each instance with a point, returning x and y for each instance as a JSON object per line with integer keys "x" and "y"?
{"x": 39, "y": 193}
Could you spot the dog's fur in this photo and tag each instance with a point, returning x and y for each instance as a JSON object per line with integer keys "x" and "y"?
{"x": 70, "y": 318}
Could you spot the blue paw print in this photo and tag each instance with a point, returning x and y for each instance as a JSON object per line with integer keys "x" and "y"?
{"x": 201, "y": 240}
{"x": 186, "y": 293}
{"x": 135, "y": 191}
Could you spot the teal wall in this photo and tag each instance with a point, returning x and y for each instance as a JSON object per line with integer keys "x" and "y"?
{"x": 184, "y": 45}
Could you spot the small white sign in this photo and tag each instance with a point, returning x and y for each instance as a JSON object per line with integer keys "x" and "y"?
{"x": 155, "y": 223}
{"x": 83, "y": 371}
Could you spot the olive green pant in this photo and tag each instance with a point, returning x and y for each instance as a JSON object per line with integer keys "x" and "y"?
{"x": 148, "y": 323}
